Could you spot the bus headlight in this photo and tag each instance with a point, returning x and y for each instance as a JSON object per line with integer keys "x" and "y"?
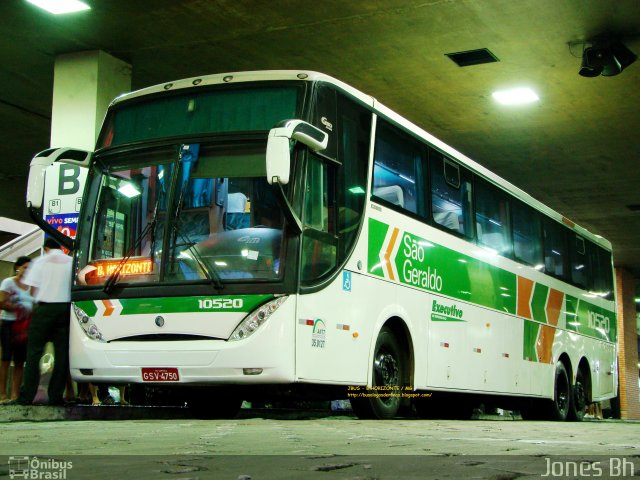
{"x": 87, "y": 325}
{"x": 256, "y": 319}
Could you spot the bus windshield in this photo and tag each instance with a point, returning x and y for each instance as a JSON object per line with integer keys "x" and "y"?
{"x": 190, "y": 212}
{"x": 217, "y": 110}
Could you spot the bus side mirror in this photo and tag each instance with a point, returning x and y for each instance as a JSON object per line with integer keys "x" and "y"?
{"x": 278, "y": 159}
{"x": 39, "y": 164}
{"x": 36, "y": 182}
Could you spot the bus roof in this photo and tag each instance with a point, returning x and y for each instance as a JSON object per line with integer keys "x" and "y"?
{"x": 376, "y": 106}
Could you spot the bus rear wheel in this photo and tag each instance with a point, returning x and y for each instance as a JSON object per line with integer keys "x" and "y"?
{"x": 389, "y": 369}
{"x": 558, "y": 408}
{"x": 579, "y": 400}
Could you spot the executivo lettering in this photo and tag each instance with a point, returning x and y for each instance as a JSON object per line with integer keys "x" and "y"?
{"x": 445, "y": 313}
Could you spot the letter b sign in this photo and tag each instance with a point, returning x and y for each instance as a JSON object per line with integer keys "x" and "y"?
{"x": 68, "y": 181}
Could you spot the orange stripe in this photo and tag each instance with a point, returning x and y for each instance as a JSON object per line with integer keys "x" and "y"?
{"x": 108, "y": 306}
{"x": 554, "y": 306}
{"x": 544, "y": 345}
{"x": 525, "y": 287}
{"x": 387, "y": 254}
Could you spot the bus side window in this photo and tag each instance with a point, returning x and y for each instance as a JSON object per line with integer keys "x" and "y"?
{"x": 319, "y": 242}
{"x": 450, "y": 195}
{"x": 555, "y": 250}
{"x": 580, "y": 265}
{"x": 601, "y": 281}
{"x": 527, "y": 228}
{"x": 398, "y": 169}
{"x": 492, "y": 218}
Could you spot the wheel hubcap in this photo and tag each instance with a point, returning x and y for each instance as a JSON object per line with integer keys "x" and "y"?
{"x": 580, "y": 397}
{"x": 563, "y": 396}
{"x": 387, "y": 369}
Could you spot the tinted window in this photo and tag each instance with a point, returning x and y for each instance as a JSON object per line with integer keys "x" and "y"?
{"x": 450, "y": 195}
{"x": 579, "y": 261}
{"x": 492, "y": 218}
{"x": 555, "y": 250}
{"x": 397, "y": 170}
{"x": 527, "y": 239}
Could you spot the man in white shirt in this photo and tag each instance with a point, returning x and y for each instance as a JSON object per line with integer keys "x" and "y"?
{"x": 49, "y": 277}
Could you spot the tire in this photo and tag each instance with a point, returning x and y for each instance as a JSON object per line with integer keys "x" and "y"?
{"x": 389, "y": 370}
{"x": 579, "y": 398}
{"x": 558, "y": 408}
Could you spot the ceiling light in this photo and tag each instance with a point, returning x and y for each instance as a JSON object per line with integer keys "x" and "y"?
{"x": 515, "y": 96}
{"x": 58, "y": 7}
{"x": 128, "y": 190}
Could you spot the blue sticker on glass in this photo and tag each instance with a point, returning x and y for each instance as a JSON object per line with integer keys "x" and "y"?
{"x": 346, "y": 281}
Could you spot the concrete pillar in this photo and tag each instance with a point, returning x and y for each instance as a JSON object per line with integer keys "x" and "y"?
{"x": 84, "y": 84}
{"x": 627, "y": 346}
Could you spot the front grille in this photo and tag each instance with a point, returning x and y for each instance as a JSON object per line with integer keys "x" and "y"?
{"x": 166, "y": 337}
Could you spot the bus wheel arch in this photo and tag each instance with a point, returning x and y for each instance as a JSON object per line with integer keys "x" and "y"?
{"x": 391, "y": 366}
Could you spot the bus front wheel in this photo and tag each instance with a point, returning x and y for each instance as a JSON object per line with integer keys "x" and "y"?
{"x": 382, "y": 401}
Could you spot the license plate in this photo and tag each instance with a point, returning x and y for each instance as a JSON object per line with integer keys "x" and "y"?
{"x": 160, "y": 375}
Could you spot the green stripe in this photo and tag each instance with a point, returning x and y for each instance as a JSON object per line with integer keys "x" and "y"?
{"x": 217, "y": 304}
{"x": 435, "y": 268}
{"x": 88, "y": 306}
{"x": 571, "y": 307}
{"x": 377, "y": 233}
{"x": 431, "y": 267}
{"x": 531, "y": 330}
{"x": 539, "y": 303}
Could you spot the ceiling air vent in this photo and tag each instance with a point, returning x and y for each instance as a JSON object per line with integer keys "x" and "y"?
{"x": 473, "y": 57}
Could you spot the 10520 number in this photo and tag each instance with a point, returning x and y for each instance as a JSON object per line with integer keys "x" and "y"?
{"x": 220, "y": 303}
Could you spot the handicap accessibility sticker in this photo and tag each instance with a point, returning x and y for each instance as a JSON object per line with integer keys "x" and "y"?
{"x": 346, "y": 281}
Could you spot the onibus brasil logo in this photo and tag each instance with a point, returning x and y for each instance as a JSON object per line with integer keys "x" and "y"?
{"x": 38, "y": 468}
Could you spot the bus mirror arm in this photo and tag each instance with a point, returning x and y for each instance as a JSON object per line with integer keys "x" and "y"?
{"x": 278, "y": 158}
{"x": 36, "y": 215}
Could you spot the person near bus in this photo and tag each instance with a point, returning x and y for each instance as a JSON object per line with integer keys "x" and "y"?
{"x": 15, "y": 300}
{"x": 50, "y": 280}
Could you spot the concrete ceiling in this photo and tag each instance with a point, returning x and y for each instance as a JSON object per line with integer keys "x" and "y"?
{"x": 577, "y": 149}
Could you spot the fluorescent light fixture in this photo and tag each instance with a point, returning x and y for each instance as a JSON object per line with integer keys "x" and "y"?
{"x": 58, "y": 7}
{"x": 407, "y": 178}
{"x": 515, "y": 96}
{"x": 128, "y": 190}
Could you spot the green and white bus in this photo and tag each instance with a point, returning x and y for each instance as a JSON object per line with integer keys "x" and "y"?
{"x": 280, "y": 231}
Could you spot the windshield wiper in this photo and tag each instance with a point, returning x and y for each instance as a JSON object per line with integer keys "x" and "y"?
{"x": 149, "y": 227}
{"x": 210, "y": 273}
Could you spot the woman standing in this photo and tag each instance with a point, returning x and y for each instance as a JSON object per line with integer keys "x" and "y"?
{"x": 14, "y": 296}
